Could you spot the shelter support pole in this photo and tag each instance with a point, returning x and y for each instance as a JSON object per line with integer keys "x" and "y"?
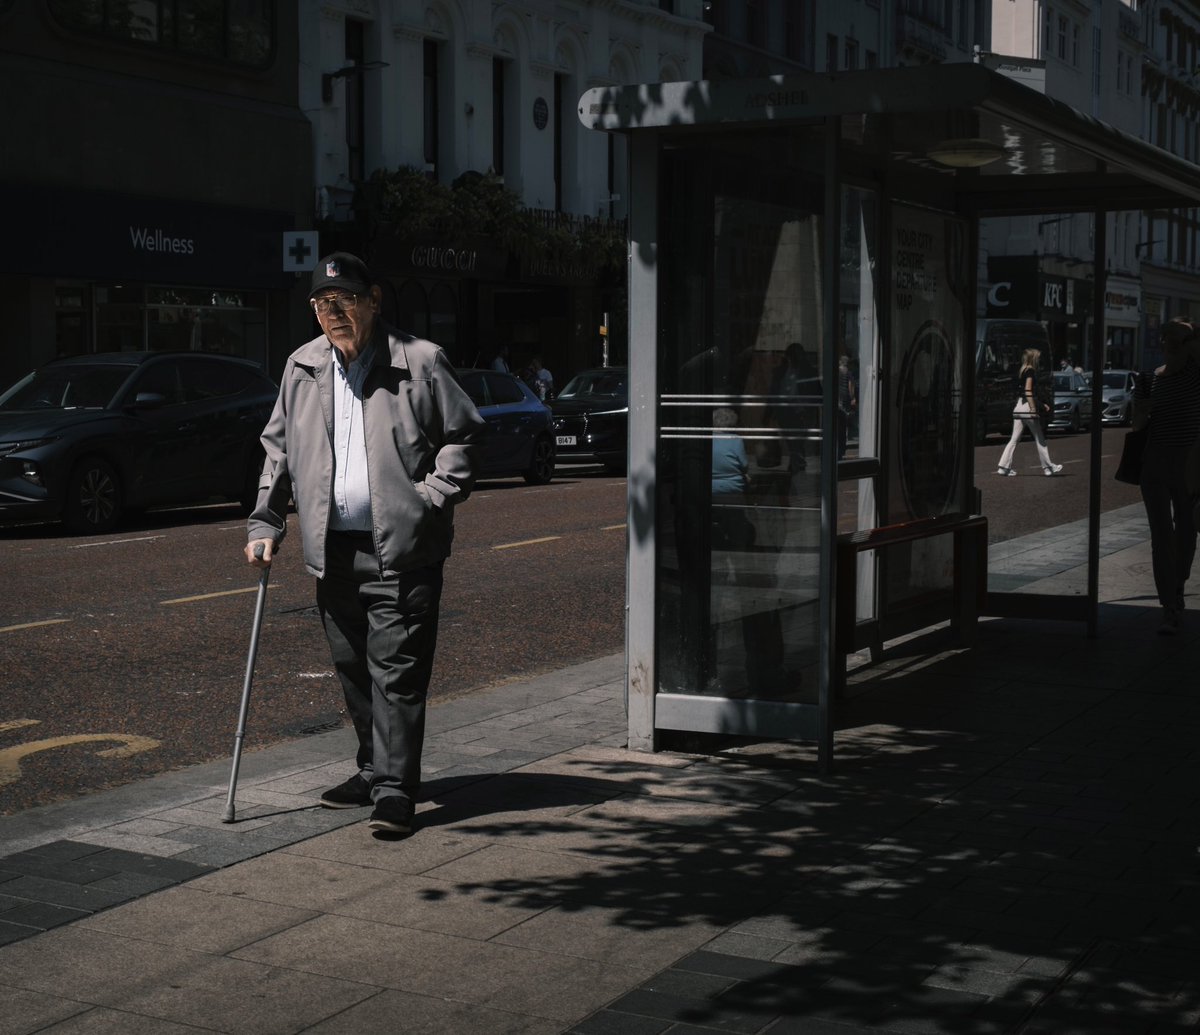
{"x": 831, "y": 261}
{"x": 1100, "y": 265}
{"x": 641, "y": 558}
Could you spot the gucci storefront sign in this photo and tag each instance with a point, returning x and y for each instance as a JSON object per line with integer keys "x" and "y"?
{"x": 433, "y": 257}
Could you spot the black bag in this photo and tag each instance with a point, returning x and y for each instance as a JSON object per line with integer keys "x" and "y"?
{"x": 1129, "y": 470}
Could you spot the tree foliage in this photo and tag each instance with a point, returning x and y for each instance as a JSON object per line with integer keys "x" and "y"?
{"x": 406, "y": 202}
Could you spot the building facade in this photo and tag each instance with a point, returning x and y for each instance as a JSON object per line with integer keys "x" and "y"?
{"x": 466, "y": 89}
{"x": 163, "y": 158}
{"x": 1132, "y": 65}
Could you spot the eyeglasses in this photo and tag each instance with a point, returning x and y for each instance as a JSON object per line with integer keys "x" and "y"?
{"x": 342, "y": 303}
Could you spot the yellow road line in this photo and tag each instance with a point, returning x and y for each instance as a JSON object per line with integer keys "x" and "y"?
{"x": 32, "y": 625}
{"x": 527, "y": 542}
{"x": 209, "y": 596}
{"x": 18, "y": 724}
{"x": 612, "y": 528}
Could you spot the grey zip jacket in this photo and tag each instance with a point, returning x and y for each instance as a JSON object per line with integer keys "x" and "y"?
{"x": 423, "y": 439}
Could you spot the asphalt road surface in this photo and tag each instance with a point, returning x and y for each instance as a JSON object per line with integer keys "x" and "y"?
{"x": 123, "y": 656}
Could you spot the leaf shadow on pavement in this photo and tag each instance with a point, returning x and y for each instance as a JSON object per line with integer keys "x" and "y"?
{"x": 1008, "y": 843}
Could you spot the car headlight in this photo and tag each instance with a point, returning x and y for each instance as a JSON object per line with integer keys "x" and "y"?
{"x": 23, "y": 445}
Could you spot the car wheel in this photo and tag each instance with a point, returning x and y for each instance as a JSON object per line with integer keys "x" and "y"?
{"x": 615, "y": 466}
{"x": 93, "y": 503}
{"x": 1075, "y": 422}
{"x": 541, "y": 465}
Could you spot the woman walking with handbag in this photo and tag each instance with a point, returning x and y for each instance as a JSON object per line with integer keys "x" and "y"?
{"x": 1169, "y": 398}
{"x": 1025, "y": 413}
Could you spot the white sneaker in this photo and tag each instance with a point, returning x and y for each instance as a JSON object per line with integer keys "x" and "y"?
{"x": 1007, "y": 471}
{"x": 1052, "y": 470}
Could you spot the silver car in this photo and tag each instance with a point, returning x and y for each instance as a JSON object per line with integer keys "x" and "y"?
{"x": 1072, "y": 402}
{"x": 1117, "y": 389}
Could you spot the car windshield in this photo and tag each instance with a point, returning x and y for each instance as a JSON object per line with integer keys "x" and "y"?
{"x": 66, "y": 388}
{"x": 1063, "y": 383}
{"x": 595, "y": 384}
{"x": 1115, "y": 380}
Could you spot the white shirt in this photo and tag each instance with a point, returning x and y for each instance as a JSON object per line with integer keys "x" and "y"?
{"x": 350, "y": 510}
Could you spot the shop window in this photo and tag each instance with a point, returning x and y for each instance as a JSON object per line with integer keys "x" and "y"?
{"x": 238, "y": 32}
{"x": 412, "y": 309}
{"x": 443, "y": 318}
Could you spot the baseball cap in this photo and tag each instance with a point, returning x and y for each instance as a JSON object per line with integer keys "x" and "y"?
{"x": 341, "y": 270}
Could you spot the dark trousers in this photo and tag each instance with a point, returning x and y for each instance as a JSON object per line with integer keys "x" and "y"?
{"x": 382, "y": 633}
{"x": 1169, "y": 514}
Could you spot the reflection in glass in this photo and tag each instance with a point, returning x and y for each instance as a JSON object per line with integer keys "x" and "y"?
{"x": 740, "y": 419}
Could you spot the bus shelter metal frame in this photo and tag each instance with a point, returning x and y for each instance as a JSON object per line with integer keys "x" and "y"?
{"x": 1069, "y": 162}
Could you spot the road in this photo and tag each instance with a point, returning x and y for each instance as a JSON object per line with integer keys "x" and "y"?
{"x": 124, "y": 656}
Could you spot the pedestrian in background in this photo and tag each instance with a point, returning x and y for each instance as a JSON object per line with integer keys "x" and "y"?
{"x": 376, "y": 441}
{"x": 1027, "y": 412}
{"x": 1169, "y": 399}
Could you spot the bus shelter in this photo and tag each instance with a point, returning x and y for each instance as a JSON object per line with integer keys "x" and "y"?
{"x": 802, "y": 299}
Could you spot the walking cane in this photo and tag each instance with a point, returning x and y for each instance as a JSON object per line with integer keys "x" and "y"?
{"x": 245, "y": 707}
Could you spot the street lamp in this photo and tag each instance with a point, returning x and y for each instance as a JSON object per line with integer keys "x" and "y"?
{"x": 966, "y": 152}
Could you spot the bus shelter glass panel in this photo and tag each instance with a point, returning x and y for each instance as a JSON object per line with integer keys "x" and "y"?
{"x": 859, "y": 386}
{"x": 740, "y": 416}
{"x": 1036, "y": 312}
{"x": 927, "y": 359}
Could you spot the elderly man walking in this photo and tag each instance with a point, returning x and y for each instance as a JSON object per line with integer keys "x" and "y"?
{"x": 376, "y": 442}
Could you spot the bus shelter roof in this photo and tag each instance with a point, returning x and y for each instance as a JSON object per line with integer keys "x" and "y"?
{"x": 1000, "y": 144}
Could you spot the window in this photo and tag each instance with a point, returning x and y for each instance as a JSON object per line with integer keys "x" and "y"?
{"x": 1075, "y": 43}
{"x": 356, "y": 130}
{"x": 498, "y": 116}
{"x": 1096, "y": 62}
{"x": 755, "y": 23}
{"x": 1063, "y": 24}
{"x": 851, "y": 61}
{"x": 962, "y": 23}
{"x": 237, "y": 32}
{"x": 831, "y": 53}
{"x": 431, "y": 107}
{"x": 1047, "y": 25}
{"x": 872, "y": 59}
{"x": 559, "y": 112}
{"x": 797, "y": 31}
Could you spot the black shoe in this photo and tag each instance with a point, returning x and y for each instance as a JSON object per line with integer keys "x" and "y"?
{"x": 393, "y": 815}
{"x": 355, "y": 793}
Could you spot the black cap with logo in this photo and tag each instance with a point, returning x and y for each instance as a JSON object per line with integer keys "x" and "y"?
{"x": 341, "y": 270}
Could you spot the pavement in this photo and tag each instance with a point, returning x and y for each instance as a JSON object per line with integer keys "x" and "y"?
{"x": 1007, "y": 843}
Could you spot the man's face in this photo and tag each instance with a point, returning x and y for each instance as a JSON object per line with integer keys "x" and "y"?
{"x": 347, "y": 319}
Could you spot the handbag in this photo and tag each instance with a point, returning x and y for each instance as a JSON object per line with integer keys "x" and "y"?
{"x": 1129, "y": 469}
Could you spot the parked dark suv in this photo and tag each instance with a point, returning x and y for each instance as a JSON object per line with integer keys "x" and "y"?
{"x": 591, "y": 418}
{"x": 86, "y": 438}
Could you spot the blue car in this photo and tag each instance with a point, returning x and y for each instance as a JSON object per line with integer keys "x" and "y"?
{"x": 519, "y": 439}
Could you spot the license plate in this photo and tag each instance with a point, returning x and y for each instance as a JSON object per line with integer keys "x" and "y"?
{"x": 565, "y": 440}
